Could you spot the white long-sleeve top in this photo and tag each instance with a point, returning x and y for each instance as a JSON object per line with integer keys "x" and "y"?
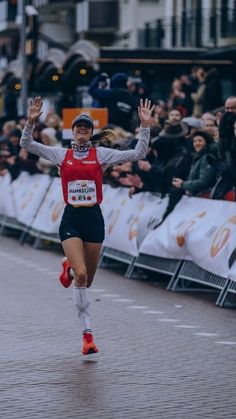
{"x": 105, "y": 156}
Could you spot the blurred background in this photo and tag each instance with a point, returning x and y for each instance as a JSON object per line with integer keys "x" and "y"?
{"x": 55, "y": 48}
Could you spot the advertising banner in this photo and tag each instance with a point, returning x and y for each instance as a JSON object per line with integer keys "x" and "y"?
{"x": 99, "y": 116}
{"x": 201, "y": 230}
{"x": 49, "y": 217}
{"x": 28, "y": 191}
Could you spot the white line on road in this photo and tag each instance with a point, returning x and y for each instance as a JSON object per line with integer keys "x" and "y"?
{"x": 168, "y": 320}
{"x": 205, "y": 334}
{"x": 138, "y": 307}
{"x": 97, "y": 290}
{"x": 153, "y": 312}
{"x": 186, "y": 326}
{"x": 226, "y": 342}
{"x": 123, "y": 300}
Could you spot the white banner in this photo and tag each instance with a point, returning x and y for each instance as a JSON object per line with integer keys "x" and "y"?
{"x": 121, "y": 231}
{"x": 28, "y": 192}
{"x": 201, "y": 230}
{"x": 128, "y": 220}
{"x": 150, "y": 215}
{"x": 49, "y": 216}
{"x": 6, "y": 199}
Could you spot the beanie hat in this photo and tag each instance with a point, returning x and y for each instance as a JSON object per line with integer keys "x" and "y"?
{"x": 83, "y": 117}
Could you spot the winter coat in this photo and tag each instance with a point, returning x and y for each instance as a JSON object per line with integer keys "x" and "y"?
{"x": 119, "y": 101}
{"x": 202, "y": 175}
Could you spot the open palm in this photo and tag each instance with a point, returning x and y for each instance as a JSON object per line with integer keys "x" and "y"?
{"x": 34, "y": 109}
{"x": 145, "y": 110}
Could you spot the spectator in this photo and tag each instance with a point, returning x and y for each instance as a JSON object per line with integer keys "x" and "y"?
{"x": 174, "y": 115}
{"x": 230, "y": 104}
{"x": 212, "y": 98}
{"x": 198, "y": 96}
{"x": 172, "y": 159}
{"x": 160, "y": 113}
{"x": 226, "y": 163}
{"x": 8, "y": 126}
{"x": 201, "y": 176}
{"x": 48, "y": 137}
{"x": 208, "y": 115}
{"x": 54, "y": 121}
{"x": 210, "y": 126}
{"x": 117, "y": 99}
{"x": 193, "y": 123}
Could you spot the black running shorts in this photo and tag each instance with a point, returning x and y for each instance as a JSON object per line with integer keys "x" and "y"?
{"x": 86, "y": 223}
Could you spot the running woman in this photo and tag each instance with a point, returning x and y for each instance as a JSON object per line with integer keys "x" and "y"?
{"x": 82, "y": 226}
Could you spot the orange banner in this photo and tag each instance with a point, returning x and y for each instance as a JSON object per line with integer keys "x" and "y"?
{"x": 99, "y": 116}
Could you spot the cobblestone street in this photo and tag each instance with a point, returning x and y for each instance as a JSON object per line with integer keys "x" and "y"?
{"x": 161, "y": 354}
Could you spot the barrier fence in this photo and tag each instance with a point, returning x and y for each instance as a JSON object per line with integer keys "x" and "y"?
{"x": 196, "y": 244}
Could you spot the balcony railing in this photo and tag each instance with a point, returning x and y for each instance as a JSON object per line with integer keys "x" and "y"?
{"x": 203, "y": 28}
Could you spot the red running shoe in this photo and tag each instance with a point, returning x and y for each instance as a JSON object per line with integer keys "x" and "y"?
{"x": 65, "y": 276}
{"x": 89, "y": 346}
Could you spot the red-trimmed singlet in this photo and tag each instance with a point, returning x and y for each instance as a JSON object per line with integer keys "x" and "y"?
{"x": 82, "y": 179}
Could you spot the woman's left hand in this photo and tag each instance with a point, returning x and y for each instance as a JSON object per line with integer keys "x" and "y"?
{"x": 145, "y": 110}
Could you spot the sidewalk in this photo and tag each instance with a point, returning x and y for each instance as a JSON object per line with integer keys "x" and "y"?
{"x": 162, "y": 355}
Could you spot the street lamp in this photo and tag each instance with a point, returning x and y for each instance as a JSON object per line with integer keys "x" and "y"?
{"x": 24, "y": 92}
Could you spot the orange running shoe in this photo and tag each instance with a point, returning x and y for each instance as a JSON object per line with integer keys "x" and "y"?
{"x": 89, "y": 346}
{"x": 65, "y": 276}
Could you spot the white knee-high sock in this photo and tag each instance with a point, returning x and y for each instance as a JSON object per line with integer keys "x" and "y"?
{"x": 80, "y": 297}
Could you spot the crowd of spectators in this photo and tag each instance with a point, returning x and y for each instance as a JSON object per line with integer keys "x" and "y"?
{"x": 192, "y": 147}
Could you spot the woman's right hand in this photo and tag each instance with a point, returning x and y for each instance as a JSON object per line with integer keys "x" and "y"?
{"x": 34, "y": 109}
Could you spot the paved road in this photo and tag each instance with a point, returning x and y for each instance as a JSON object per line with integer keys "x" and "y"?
{"x": 162, "y": 355}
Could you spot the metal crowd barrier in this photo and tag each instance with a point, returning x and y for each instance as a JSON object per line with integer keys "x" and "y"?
{"x": 182, "y": 273}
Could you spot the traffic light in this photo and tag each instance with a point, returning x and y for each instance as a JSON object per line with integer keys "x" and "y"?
{"x": 47, "y": 77}
{"x": 76, "y": 72}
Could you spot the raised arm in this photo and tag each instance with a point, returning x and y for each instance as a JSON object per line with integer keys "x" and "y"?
{"x": 109, "y": 156}
{"x": 54, "y": 154}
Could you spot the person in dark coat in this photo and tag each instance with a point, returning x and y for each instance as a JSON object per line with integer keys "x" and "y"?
{"x": 119, "y": 101}
{"x": 202, "y": 175}
{"x": 225, "y": 163}
{"x": 172, "y": 157}
{"x": 212, "y": 98}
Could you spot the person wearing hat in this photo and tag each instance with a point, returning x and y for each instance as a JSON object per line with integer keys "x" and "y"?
{"x": 82, "y": 226}
{"x": 174, "y": 153}
{"x": 202, "y": 175}
{"x": 48, "y": 137}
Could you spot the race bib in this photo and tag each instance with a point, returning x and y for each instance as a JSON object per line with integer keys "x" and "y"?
{"x": 82, "y": 192}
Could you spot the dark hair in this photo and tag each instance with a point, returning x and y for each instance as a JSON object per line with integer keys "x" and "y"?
{"x": 207, "y": 137}
{"x": 176, "y": 109}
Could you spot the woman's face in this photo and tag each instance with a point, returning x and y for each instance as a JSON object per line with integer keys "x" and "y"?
{"x": 198, "y": 143}
{"x": 82, "y": 133}
{"x": 210, "y": 127}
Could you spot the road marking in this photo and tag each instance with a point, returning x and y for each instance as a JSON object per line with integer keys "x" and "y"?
{"x": 206, "y": 334}
{"x": 123, "y": 300}
{"x": 138, "y": 307}
{"x": 226, "y": 342}
{"x": 153, "y": 312}
{"x": 168, "y": 320}
{"x": 97, "y": 290}
{"x": 186, "y": 326}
